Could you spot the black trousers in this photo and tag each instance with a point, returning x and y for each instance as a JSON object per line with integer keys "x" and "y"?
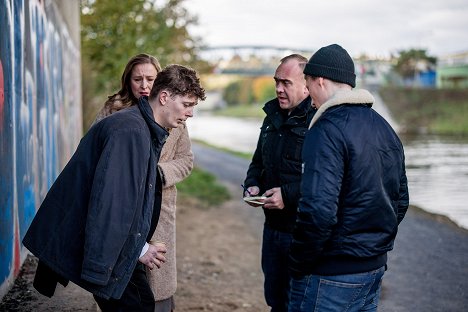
{"x": 137, "y": 296}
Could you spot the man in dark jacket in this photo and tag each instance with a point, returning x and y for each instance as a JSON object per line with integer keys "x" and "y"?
{"x": 354, "y": 193}
{"x": 95, "y": 223}
{"x": 275, "y": 172}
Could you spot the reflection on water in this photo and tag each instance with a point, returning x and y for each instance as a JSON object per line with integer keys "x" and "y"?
{"x": 232, "y": 133}
{"x": 437, "y": 168}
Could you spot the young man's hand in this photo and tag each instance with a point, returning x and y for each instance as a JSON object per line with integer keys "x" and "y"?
{"x": 154, "y": 256}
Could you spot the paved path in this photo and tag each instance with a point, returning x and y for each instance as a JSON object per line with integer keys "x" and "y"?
{"x": 427, "y": 270}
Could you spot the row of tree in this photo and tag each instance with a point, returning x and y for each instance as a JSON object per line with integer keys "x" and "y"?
{"x": 409, "y": 62}
{"x": 113, "y": 31}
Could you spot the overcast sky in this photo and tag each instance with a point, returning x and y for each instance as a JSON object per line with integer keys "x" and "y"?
{"x": 374, "y": 27}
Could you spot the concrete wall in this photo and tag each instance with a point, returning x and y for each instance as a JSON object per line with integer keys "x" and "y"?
{"x": 40, "y": 113}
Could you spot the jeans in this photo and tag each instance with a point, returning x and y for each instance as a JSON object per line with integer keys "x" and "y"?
{"x": 275, "y": 253}
{"x": 350, "y": 292}
{"x": 137, "y": 296}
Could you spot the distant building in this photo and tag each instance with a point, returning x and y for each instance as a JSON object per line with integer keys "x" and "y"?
{"x": 424, "y": 75}
{"x": 452, "y": 71}
{"x": 371, "y": 71}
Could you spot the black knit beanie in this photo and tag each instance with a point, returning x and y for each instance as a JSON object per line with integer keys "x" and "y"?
{"x": 334, "y": 63}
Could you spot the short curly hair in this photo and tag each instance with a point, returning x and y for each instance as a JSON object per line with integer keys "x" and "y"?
{"x": 178, "y": 80}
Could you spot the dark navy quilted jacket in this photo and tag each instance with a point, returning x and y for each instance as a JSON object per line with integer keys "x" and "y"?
{"x": 354, "y": 190}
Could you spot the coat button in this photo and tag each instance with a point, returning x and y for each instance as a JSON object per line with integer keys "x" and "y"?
{"x": 139, "y": 234}
{"x": 151, "y": 185}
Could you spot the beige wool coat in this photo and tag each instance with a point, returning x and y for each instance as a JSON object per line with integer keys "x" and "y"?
{"x": 175, "y": 164}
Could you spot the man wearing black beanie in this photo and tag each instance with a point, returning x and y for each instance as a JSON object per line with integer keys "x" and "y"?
{"x": 354, "y": 193}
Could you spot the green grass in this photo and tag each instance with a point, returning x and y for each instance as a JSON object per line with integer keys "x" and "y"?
{"x": 203, "y": 186}
{"x": 242, "y": 111}
{"x": 428, "y": 110}
{"x": 451, "y": 119}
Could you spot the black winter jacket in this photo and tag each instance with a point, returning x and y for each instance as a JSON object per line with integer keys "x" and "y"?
{"x": 93, "y": 222}
{"x": 354, "y": 189}
{"x": 277, "y": 159}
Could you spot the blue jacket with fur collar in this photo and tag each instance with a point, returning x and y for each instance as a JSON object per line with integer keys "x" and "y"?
{"x": 354, "y": 190}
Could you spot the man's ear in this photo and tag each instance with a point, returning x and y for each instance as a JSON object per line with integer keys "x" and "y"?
{"x": 163, "y": 95}
{"x": 321, "y": 82}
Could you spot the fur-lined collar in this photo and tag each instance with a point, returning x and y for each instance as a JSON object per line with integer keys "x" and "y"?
{"x": 356, "y": 96}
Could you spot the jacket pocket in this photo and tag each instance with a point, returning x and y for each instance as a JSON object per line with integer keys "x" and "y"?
{"x": 128, "y": 254}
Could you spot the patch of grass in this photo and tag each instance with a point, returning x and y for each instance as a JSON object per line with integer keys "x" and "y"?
{"x": 435, "y": 111}
{"x": 242, "y": 111}
{"x": 451, "y": 119}
{"x": 203, "y": 186}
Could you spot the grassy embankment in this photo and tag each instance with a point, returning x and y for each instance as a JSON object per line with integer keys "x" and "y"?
{"x": 435, "y": 111}
{"x": 202, "y": 187}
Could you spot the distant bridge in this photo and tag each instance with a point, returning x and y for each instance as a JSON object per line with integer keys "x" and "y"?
{"x": 249, "y": 60}
{"x": 257, "y": 47}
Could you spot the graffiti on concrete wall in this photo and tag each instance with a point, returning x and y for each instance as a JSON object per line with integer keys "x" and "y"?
{"x": 40, "y": 116}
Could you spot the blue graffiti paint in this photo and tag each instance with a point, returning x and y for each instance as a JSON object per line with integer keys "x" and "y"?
{"x": 6, "y": 156}
{"x": 24, "y": 98}
{"x": 26, "y": 202}
{"x": 27, "y": 213}
{"x": 36, "y": 52}
{"x": 7, "y": 239}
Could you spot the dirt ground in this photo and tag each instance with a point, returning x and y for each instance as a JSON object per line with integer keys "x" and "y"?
{"x": 218, "y": 260}
{"x": 218, "y": 267}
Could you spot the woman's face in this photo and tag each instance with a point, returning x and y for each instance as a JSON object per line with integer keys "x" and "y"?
{"x": 142, "y": 78}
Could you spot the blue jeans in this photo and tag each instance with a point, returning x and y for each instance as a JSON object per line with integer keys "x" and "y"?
{"x": 275, "y": 253}
{"x": 350, "y": 292}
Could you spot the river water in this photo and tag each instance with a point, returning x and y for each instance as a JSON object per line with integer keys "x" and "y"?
{"x": 437, "y": 168}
